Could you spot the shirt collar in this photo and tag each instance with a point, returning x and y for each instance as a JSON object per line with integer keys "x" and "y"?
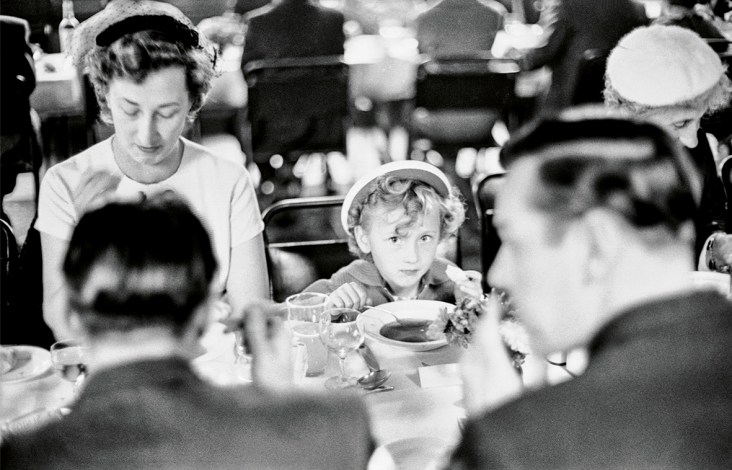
{"x": 368, "y": 275}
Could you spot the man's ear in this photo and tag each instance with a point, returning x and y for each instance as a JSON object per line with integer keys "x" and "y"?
{"x": 361, "y": 239}
{"x": 604, "y": 232}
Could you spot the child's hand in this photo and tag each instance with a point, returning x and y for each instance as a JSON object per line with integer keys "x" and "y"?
{"x": 469, "y": 286}
{"x": 351, "y": 295}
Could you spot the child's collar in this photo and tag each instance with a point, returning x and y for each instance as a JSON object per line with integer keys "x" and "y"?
{"x": 370, "y": 276}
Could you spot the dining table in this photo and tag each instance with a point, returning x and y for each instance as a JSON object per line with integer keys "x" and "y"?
{"x": 415, "y": 423}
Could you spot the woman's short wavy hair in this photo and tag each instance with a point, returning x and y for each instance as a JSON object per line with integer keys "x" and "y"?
{"x": 714, "y": 99}
{"x": 415, "y": 197}
{"x": 632, "y": 168}
{"x": 134, "y": 56}
{"x": 122, "y": 277}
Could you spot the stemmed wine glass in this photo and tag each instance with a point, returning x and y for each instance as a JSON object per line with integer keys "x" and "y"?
{"x": 340, "y": 332}
{"x": 68, "y": 359}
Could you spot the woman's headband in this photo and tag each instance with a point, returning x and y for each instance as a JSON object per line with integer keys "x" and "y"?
{"x": 172, "y": 29}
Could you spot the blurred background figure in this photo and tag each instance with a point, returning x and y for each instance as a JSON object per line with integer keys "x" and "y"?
{"x": 459, "y": 27}
{"x": 290, "y": 29}
{"x": 682, "y": 13}
{"x": 22, "y": 317}
{"x": 140, "y": 300}
{"x": 293, "y": 28}
{"x": 670, "y": 76}
{"x": 579, "y": 26}
{"x": 20, "y": 151}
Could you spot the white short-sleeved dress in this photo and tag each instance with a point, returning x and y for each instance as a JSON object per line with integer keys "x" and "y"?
{"x": 219, "y": 191}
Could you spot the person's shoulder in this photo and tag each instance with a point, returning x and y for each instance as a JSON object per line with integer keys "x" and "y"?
{"x": 98, "y": 155}
{"x": 361, "y": 270}
{"x": 331, "y": 408}
{"x": 248, "y": 400}
{"x": 21, "y": 451}
{"x": 551, "y": 410}
{"x": 200, "y": 155}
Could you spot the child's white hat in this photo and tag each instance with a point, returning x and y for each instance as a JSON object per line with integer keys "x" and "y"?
{"x": 408, "y": 169}
{"x": 662, "y": 66}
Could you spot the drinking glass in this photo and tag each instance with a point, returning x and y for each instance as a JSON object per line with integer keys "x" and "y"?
{"x": 68, "y": 359}
{"x": 303, "y": 316}
{"x": 339, "y": 331}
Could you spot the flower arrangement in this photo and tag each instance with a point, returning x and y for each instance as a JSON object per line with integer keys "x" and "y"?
{"x": 457, "y": 326}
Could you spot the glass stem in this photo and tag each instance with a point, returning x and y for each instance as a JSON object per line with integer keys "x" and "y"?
{"x": 342, "y": 363}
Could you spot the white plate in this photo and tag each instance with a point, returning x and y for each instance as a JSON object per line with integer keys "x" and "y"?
{"x": 32, "y": 361}
{"x": 373, "y": 319}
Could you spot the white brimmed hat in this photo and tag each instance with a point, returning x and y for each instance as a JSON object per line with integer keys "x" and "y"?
{"x": 85, "y": 35}
{"x": 408, "y": 169}
{"x": 662, "y": 66}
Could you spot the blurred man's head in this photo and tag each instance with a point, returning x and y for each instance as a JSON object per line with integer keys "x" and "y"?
{"x": 583, "y": 203}
{"x": 669, "y": 75}
{"x": 134, "y": 266}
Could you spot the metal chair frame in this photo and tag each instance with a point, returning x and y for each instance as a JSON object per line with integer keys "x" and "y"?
{"x": 326, "y": 255}
{"x": 490, "y": 242}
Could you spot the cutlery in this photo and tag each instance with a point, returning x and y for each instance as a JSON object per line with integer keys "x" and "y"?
{"x": 383, "y": 388}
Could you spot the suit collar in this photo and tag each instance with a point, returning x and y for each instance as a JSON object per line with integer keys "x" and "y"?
{"x": 658, "y": 316}
{"x": 136, "y": 374}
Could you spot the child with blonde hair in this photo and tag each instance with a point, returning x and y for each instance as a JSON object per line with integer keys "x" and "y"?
{"x": 396, "y": 216}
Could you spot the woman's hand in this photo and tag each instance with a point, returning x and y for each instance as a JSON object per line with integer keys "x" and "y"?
{"x": 489, "y": 377}
{"x": 351, "y": 295}
{"x": 469, "y": 286}
{"x": 95, "y": 189}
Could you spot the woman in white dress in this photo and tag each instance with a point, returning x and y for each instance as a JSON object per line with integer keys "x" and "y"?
{"x": 151, "y": 71}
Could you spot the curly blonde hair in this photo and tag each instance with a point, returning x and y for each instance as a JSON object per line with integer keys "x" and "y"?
{"x": 415, "y": 197}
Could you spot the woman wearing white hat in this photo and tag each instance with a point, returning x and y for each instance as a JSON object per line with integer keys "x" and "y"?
{"x": 670, "y": 76}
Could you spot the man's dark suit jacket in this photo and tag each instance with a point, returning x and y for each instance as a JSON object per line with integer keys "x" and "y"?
{"x": 657, "y": 393}
{"x": 298, "y": 28}
{"x": 454, "y": 27}
{"x": 581, "y": 25}
{"x": 160, "y": 415}
{"x": 293, "y": 28}
{"x": 17, "y": 82}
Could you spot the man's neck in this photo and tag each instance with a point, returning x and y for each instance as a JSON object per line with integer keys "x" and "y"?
{"x": 115, "y": 349}
{"x": 649, "y": 278}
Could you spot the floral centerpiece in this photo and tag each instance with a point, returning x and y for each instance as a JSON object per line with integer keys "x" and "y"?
{"x": 458, "y": 325}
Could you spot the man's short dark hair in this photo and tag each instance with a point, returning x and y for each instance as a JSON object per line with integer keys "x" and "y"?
{"x": 633, "y": 168}
{"x": 136, "y": 265}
